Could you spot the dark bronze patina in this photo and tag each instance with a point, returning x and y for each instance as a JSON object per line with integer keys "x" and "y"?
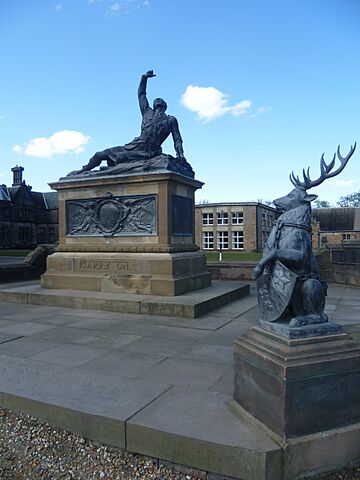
{"x": 290, "y": 290}
{"x": 112, "y": 216}
{"x": 138, "y": 155}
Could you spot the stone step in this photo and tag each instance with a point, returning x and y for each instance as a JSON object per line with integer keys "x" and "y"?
{"x": 190, "y": 305}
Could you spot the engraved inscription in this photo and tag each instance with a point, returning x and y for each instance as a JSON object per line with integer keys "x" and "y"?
{"x": 112, "y": 216}
{"x": 101, "y": 265}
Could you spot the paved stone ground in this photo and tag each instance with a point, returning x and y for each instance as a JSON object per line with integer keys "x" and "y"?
{"x": 156, "y": 368}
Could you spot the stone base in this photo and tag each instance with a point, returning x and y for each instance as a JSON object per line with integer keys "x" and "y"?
{"x": 136, "y": 273}
{"x": 298, "y": 387}
{"x": 190, "y": 305}
{"x": 313, "y": 455}
{"x": 312, "y": 330}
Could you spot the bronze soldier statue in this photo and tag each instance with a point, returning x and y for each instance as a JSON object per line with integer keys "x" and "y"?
{"x": 156, "y": 126}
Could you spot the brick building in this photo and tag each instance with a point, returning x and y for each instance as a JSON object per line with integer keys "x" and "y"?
{"x": 333, "y": 226}
{"x": 27, "y": 218}
{"x": 241, "y": 226}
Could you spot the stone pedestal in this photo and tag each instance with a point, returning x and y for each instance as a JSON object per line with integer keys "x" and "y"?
{"x": 127, "y": 234}
{"x": 297, "y": 388}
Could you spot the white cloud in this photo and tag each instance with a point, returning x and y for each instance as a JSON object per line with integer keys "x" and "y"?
{"x": 17, "y": 149}
{"x": 210, "y": 103}
{"x": 340, "y": 183}
{"x": 114, "y": 8}
{"x": 260, "y": 111}
{"x": 64, "y": 141}
{"x": 118, "y": 7}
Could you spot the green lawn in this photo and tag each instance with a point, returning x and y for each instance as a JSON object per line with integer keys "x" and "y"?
{"x": 233, "y": 256}
{"x": 14, "y": 253}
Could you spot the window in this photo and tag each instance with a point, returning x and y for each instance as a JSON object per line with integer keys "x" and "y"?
{"x": 222, "y": 240}
{"x": 208, "y": 240}
{"x": 238, "y": 240}
{"x": 24, "y": 235}
{"x": 207, "y": 219}
{"x": 41, "y": 235}
{"x": 51, "y": 234}
{"x": 222, "y": 218}
{"x": 346, "y": 236}
{"x": 237, "y": 218}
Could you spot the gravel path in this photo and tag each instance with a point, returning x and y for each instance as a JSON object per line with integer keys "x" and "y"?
{"x": 33, "y": 450}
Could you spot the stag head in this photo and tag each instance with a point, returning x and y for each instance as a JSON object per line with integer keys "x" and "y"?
{"x": 293, "y": 199}
{"x": 298, "y": 196}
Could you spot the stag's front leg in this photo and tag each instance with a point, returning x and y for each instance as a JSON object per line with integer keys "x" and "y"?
{"x": 266, "y": 259}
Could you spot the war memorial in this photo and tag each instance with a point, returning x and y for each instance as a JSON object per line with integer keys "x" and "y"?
{"x": 141, "y": 344}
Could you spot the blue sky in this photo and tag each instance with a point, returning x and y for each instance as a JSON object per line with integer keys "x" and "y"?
{"x": 259, "y": 88}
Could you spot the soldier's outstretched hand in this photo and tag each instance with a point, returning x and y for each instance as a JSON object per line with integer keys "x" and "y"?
{"x": 150, "y": 74}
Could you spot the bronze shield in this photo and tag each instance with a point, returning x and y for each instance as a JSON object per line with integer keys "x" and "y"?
{"x": 275, "y": 288}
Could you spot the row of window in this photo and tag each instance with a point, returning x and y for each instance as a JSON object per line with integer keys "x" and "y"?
{"x": 24, "y": 234}
{"x": 237, "y": 218}
{"x": 223, "y": 240}
{"x": 344, "y": 236}
{"x": 267, "y": 219}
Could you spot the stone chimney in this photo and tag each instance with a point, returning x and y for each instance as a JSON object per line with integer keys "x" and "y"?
{"x": 17, "y": 175}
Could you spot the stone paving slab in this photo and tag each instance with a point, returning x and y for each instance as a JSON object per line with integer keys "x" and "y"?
{"x": 83, "y": 402}
{"x": 119, "y": 363}
{"x": 108, "y": 340}
{"x": 225, "y": 384}
{"x": 6, "y": 337}
{"x": 190, "y": 373}
{"x": 25, "y": 347}
{"x": 208, "y": 353}
{"x": 160, "y": 346}
{"x": 65, "y": 334}
{"x": 69, "y": 355}
{"x": 198, "y": 429}
{"x": 25, "y": 328}
{"x": 5, "y": 323}
{"x": 153, "y": 384}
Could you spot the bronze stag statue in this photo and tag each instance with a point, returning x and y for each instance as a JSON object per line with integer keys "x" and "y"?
{"x": 290, "y": 290}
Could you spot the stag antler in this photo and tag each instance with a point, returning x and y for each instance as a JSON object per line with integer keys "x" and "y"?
{"x": 325, "y": 170}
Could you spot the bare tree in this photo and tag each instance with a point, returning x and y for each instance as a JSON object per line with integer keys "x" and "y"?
{"x": 351, "y": 200}
{"x": 322, "y": 204}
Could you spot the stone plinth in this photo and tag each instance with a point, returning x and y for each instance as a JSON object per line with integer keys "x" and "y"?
{"x": 297, "y": 388}
{"x": 143, "y": 273}
{"x": 127, "y": 234}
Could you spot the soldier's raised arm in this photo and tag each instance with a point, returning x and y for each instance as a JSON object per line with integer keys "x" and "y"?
{"x": 143, "y": 101}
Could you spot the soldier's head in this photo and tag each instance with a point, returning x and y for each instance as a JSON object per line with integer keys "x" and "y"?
{"x": 160, "y": 104}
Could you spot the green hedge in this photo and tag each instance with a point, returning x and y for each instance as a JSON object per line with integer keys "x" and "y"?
{"x": 14, "y": 253}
